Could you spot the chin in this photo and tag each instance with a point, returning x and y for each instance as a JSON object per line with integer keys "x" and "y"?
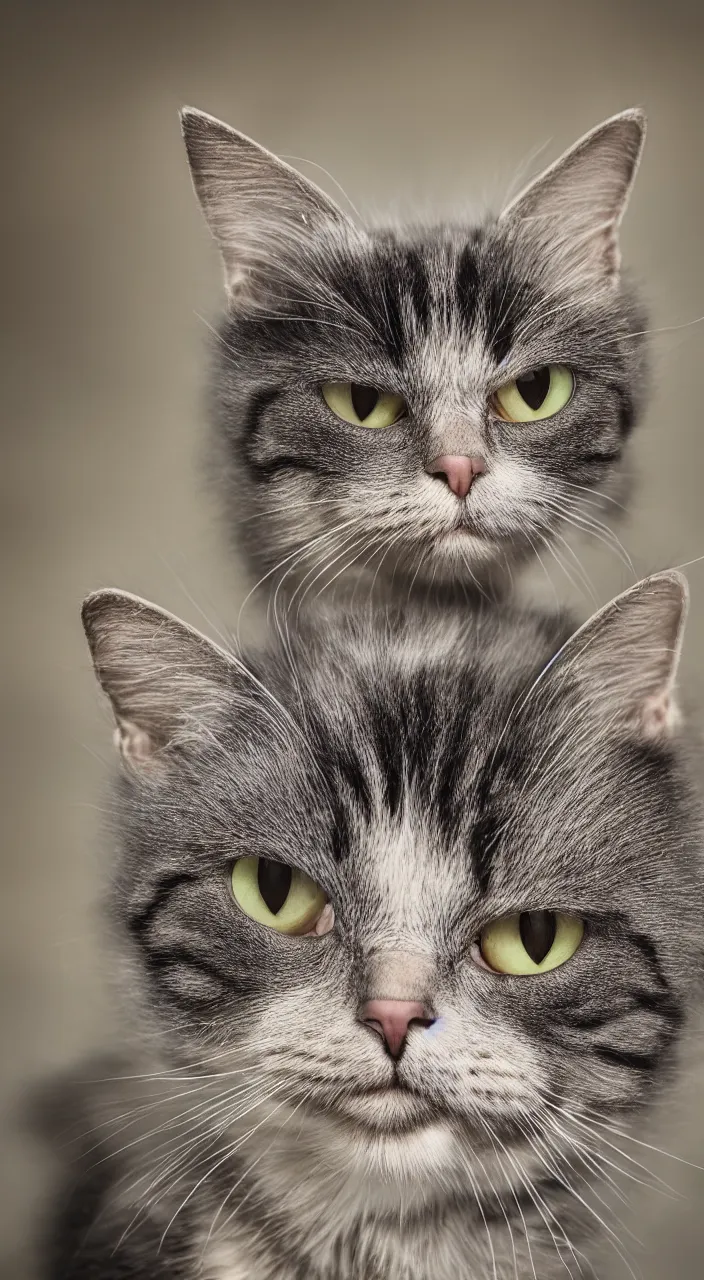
{"x": 394, "y": 1136}
{"x": 424, "y": 1155}
{"x": 411, "y": 1159}
{"x": 463, "y": 546}
{"x": 464, "y": 557}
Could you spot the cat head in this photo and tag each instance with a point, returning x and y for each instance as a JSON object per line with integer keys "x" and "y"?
{"x": 424, "y": 403}
{"x": 427, "y": 889}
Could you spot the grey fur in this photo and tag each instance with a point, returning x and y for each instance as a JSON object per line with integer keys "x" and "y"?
{"x": 432, "y": 775}
{"x": 441, "y": 315}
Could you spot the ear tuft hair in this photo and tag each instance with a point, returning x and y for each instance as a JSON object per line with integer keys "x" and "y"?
{"x": 162, "y": 677}
{"x": 257, "y": 207}
{"x": 573, "y": 210}
{"x": 625, "y": 658}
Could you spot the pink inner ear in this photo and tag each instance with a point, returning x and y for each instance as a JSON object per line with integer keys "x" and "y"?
{"x": 659, "y": 716}
{"x": 135, "y": 745}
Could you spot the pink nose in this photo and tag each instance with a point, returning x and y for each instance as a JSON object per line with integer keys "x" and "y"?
{"x": 391, "y": 1020}
{"x": 457, "y": 470}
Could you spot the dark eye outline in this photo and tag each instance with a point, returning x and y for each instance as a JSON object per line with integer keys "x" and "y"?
{"x": 328, "y": 914}
{"x": 331, "y": 383}
{"x": 577, "y": 916}
{"x": 528, "y": 422}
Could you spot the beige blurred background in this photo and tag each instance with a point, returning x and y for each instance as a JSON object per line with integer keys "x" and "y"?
{"x": 107, "y": 272}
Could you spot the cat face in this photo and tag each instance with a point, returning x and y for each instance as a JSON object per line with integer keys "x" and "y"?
{"x": 421, "y": 906}
{"x": 430, "y": 405}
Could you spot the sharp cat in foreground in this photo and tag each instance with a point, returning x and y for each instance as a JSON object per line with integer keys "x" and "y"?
{"x": 408, "y": 926}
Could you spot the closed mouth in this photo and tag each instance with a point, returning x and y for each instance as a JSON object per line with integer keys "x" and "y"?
{"x": 462, "y": 529}
{"x": 409, "y": 1108}
{"x": 382, "y": 1091}
{"x": 464, "y": 522}
{"x": 462, "y": 525}
{"x": 392, "y": 1124}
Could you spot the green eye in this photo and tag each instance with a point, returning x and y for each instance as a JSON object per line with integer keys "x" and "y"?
{"x": 363, "y": 406}
{"x": 540, "y": 393}
{"x": 278, "y": 896}
{"x": 531, "y": 942}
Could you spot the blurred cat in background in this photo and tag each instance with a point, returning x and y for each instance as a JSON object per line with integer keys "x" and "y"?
{"x": 419, "y": 406}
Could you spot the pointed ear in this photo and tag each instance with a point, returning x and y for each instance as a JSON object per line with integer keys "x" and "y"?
{"x": 575, "y": 207}
{"x": 257, "y": 207}
{"x": 624, "y": 659}
{"x": 164, "y": 679}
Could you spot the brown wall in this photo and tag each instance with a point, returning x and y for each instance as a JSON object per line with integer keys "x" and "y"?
{"x": 107, "y": 270}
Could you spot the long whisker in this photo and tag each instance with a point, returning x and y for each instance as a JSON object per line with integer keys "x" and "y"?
{"x": 227, "y": 1155}
{"x": 247, "y": 1172}
{"x": 494, "y": 1139}
{"x": 611, "y": 1236}
{"x": 654, "y": 1183}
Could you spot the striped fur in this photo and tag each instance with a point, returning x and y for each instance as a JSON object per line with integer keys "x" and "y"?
{"x": 431, "y": 775}
{"x": 441, "y": 315}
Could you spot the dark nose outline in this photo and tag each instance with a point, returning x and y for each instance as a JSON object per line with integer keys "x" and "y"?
{"x": 458, "y": 470}
{"x": 391, "y": 1019}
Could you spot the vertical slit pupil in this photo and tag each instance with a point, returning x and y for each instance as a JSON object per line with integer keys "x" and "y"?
{"x": 534, "y": 386}
{"x": 274, "y": 880}
{"x": 364, "y": 399}
{"x": 538, "y": 929}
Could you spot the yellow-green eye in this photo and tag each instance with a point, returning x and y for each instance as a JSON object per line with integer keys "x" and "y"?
{"x": 363, "y": 406}
{"x": 278, "y": 896}
{"x": 540, "y": 393}
{"x": 531, "y": 942}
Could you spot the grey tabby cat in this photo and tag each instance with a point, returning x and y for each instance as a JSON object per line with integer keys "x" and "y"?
{"x": 423, "y": 405}
{"x": 410, "y": 918}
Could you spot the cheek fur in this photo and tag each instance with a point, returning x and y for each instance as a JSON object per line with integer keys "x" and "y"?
{"x": 339, "y": 506}
{"x": 471, "y": 310}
